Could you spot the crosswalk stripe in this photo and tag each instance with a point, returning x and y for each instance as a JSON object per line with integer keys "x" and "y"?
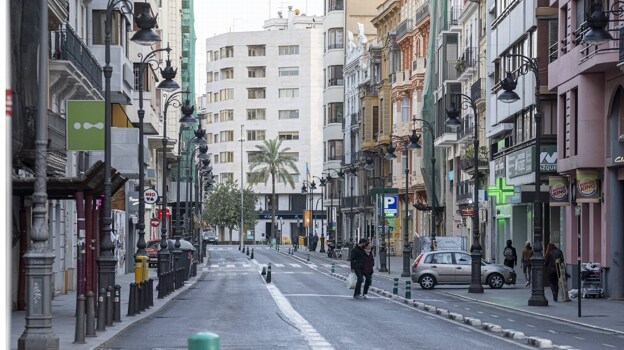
{"x": 295, "y": 265}
{"x": 279, "y": 265}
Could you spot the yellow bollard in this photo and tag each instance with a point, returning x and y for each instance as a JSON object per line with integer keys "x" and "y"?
{"x": 138, "y": 269}
{"x": 145, "y": 268}
{"x": 203, "y": 341}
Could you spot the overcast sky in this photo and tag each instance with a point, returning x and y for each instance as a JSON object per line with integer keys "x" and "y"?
{"x": 214, "y": 17}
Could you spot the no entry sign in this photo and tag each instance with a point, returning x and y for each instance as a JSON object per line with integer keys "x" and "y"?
{"x": 154, "y": 222}
{"x": 151, "y": 196}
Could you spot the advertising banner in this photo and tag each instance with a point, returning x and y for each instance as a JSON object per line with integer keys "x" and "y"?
{"x": 587, "y": 188}
{"x": 85, "y": 125}
{"x": 307, "y": 218}
{"x": 558, "y": 190}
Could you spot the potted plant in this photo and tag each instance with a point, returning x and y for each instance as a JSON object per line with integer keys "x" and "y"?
{"x": 460, "y": 64}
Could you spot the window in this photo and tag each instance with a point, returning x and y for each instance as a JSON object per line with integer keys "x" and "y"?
{"x": 336, "y": 5}
{"x": 256, "y": 93}
{"x": 209, "y": 56}
{"x": 215, "y": 54}
{"x": 226, "y": 157}
{"x": 118, "y": 27}
{"x": 439, "y": 258}
{"x": 334, "y": 75}
{"x": 256, "y": 114}
{"x": 295, "y": 178}
{"x": 462, "y": 259}
{"x": 288, "y": 135}
{"x": 226, "y": 115}
{"x": 289, "y": 114}
{"x": 227, "y": 52}
{"x": 268, "y": 199}
{"x": 215, "y": 117}
{"x": 227, "y": 73}
{"x": 209, "y": 77}
{"x": 225, "y": 177}
{"x": 335, "y": 150}
{"x": 256, "y": 50}
{"x": 226, "y": 94}
{"x": 288, "y": 71}
{"x": 293, "y": 155}
{"x": 405, "y": 115}
{"x": 288, "y": 93}
{"x": 256, "y": 72}
{"x": 137, "y": 67}
{"x": 256, "y": 135}
{"x": 289, "y": 50}
{"x": 334, "y": 112}
{"x": 298, "y": 202}
{"x": 227, "y": 136}
{"x": 335, "y": 38}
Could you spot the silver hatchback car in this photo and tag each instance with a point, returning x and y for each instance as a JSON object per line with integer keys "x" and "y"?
{"x": 454, "y": 267}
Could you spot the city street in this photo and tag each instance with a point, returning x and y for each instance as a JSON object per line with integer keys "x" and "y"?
{"x": 306, "y": 307}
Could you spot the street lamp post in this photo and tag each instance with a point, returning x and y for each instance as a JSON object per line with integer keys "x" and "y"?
{"x": 322, "y": 184}
{"x": 242, "y": 213}
{"x": 537, "y": 260}
{"x": 304, "y": 189}
{"x": 383, "y": 267}
{"x": 163, "y": 253}
{"x": 475, "y": 250}
{"x": 145, "y": 36}
{"x": 168, "y": 85}
{"x": 409, "y": 142}
{"x": 433, "y": 191}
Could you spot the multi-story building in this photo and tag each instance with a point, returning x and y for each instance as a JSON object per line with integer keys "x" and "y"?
{"x": 586, "y": 79}
{"x": 265, "y": 85}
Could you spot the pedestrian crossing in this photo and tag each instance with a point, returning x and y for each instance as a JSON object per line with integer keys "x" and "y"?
{"x": 245, "y": 265}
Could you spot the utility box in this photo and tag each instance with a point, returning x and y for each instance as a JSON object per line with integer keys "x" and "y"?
{"x": 141, "y": 268}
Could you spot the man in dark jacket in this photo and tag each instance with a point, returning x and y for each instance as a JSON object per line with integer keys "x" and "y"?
{"x": 357, "y": 265}
{"x": 510, "y": 257}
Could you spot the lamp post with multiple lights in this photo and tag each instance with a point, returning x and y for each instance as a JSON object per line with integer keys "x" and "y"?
{"x": 509, "y": 96}
{"x": 304, "y": 190}
{"x": 476, "y": 254}
{"x": 432, "y": 200}
{"x": 383, "y": 267}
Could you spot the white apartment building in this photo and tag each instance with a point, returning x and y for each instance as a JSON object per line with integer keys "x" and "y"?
{"x": 260, "y": 86}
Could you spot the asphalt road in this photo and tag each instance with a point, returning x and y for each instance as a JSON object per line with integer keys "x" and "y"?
{"x": 303, "y": 308}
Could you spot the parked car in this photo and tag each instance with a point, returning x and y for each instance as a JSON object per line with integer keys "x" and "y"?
{"x": 454, "y": 267}
{"x": 152, "y": 252}
{"x": 210, "y": 237}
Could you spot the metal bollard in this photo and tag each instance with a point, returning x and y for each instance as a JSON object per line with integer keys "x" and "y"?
{"x": 395, "y": 289}
{"x": 117, "y": 304}
{"x": 252, "y": 251}
{"x": 247, "y": 250}
{"x": 150, "y": 294}
{"x": 268, "y": 276}
{"x": 139, "y": 297}
{"x": 79, "y": 335}
{"x": 101, "y": 319}
{"x": 109, "y": 306}
{"x": 90, "y": 315}
{"x": 408, "y": 289}
{"x": 161, "y": 286}
{"x": 263, "y": 273}
{"x": 203, "y": 341}
{"x": 131, "y": 298}
{"x": 308, "y": 257}
{"x": 289, "y": 251}
{"x": 333, "y": 267}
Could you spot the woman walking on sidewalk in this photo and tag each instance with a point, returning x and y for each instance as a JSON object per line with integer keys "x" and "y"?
{"x": 369, "y": 263}
{"x": 550, "y": 260}
{"x": 527, "y": 253}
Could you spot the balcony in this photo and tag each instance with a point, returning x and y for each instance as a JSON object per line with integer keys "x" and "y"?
{"x": 466, "y": 66}
{"x": 467, "y": 165}
{"x": 122, "y": 78}
{"x": 465, "y": 134}
{"x": 403, "y": 28}
{"x": 447, "y": 139}
{"x": 421, "y": 13}
{"x": 464, "y": 191}
{"x": 401, "y": 78}
{"x": 419, "y": 66}
{"x": 74, "y": 71}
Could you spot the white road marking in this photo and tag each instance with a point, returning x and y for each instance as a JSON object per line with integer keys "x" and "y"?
{"x": 214, "y": 266}
{"x": 530, "y": 325}
{"x": 296, "y": 265}
{"x": 246, "y": 265}
{"x": 230, "y": 265}
{"x": 279, "y": 265}
{"x": 579, "y": 338}
{"x": 551, "y": 331}
{"x": 314, "y": 338}
{"x": 510, "y": 320}
{"x": 609, "y": 345}
{"x": 494, "y": 316}
{"x": 480, "y": 312}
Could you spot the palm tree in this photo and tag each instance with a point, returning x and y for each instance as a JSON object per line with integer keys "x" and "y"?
{"x": 271, "y": 161}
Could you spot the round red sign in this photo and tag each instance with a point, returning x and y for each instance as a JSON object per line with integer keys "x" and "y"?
{"x": 154, "y": 222}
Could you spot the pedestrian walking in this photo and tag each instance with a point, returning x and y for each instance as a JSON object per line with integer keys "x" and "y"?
{"x": 369, "y": 263}
{"x": 511, "y": 258}
{"x": 550, "y": 260}
{"x": 527, "y": 253}
{"x": 357, "y": 266}
{"x": 314, "y": 242}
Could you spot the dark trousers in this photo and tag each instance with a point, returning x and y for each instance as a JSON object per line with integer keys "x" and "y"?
{"x": 368, "y": 279}
{"x": 358, "y": 284}
{"x": 554, "y": 282}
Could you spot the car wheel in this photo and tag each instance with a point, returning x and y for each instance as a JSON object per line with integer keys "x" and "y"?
{"x": 427, "y": 281}
{"x": 496, "y": 281}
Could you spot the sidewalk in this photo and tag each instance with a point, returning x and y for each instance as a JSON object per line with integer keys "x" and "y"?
{"x": 599, "y": 313}
{"x": 64, "y": 308}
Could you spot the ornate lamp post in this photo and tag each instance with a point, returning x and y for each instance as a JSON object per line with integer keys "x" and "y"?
{"x": 432, "y": 200}
{"x": 475, "y": 250}
{"x": 383, "y": 266}
{"x": 409, "y": 142}
{"x": 322, "y": 184}
{"x": 304, "y": 189}
{"x": 352, "y": 170}
{"x": 508, "y": 96}
{"x": 145, "y": 36}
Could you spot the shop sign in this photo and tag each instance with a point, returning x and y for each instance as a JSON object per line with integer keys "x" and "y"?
{"x": 548, "y": 159}
{"x": 618, "y": 161}
{"x": 520, "y": 162}
{"x": 587, "y": 188}
{"x": 558, "y": 191}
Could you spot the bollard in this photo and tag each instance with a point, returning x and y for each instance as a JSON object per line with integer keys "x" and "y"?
{"x": 109, "y": 306}
{"x": 247, "y": 250}
{"x": 139, "y": 297}
{"x": 150, "y": 294}
{"x": 131, "y": 306}
{"x": 395, "y": 289}
{"x": 333, "y": 267}
{"x": 239, "y": 248}
{"x": 263, "y": 271}
{"x": 289, "y": 251}
{"x": 308, "y": 257}
{"x": 101, "y": 318}
{"x": 79, "y": 336}
{"x": 117, "y": 304}
{"x": 268, "y": 276}
{"x": 252, "y": 253}
{"x": 161, "y": 286}
{"x": 90, "y": 315}
{"x": 203, "y": 341}
{"x": 408, "y": 289}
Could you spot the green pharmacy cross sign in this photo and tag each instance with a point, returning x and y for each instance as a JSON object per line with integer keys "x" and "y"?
{"x": 501, "y": 191}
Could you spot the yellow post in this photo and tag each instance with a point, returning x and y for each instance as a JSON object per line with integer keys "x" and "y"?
{"x": 145, "y": 267}
{"x": 138, "y": 269}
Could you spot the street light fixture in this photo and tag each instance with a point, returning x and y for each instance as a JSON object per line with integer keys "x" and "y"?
{"x": 409, "y": 143}
{"x": 537, "y": 260}
{"x": 476, "y": 255}
{"x": 145, "y": 36}
{"x": 322, "y": 184}
{"x": 598, "y": 21}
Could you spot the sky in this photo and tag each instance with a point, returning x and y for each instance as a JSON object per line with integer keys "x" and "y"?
{"x": 214, "y": 17}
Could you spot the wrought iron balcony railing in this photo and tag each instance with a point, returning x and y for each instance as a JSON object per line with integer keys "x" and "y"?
{"x": 69, "y": 47}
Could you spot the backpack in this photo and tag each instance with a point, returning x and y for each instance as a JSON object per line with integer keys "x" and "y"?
{"x": 508, "y": 253}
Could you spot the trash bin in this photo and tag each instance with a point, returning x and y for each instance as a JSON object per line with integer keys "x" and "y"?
{"x": 140, "y": 268}
{"x": 186, "y": 259}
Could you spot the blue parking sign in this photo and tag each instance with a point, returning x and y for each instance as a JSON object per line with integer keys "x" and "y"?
{"x": 390, "y": 206}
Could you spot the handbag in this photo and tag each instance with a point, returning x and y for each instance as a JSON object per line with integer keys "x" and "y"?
{"x": 351, "y": 280}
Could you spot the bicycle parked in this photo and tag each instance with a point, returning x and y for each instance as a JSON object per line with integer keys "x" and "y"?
{"x": 333, "y": 251}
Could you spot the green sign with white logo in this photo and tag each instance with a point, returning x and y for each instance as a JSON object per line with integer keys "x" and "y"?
{"x": 85, "y": 125}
